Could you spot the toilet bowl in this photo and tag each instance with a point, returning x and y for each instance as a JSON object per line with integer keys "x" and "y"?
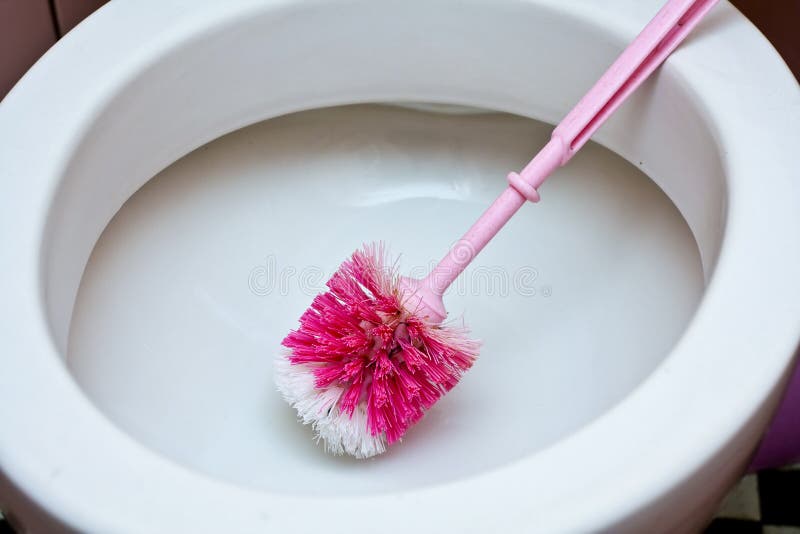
{"x": 140, "y": 85}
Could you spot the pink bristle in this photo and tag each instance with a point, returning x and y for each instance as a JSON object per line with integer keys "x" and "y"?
{"x": 362, "y": 347}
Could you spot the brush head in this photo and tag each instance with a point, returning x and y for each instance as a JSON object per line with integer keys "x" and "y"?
{"x": 365, "y": 364}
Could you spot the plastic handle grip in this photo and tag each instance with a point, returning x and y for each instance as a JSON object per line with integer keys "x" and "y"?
{"x": 650, "y": 48}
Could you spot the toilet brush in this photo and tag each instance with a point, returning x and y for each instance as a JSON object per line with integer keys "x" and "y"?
{"x": 371, "y": 354}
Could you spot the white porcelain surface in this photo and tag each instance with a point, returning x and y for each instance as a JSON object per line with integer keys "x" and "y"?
{"x": 191, "y": 288}
{"x": 141, "y": 84}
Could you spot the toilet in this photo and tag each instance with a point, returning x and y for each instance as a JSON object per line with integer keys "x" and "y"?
{"x": 135, "y": 88}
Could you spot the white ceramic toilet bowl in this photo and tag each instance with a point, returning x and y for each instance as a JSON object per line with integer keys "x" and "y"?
{"x": 141, "y": 84}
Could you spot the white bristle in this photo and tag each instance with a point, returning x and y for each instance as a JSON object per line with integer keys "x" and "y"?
{"x": 340, "y": 432}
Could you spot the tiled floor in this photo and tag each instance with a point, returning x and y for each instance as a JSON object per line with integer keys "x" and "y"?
{"x": 766, "y": 503}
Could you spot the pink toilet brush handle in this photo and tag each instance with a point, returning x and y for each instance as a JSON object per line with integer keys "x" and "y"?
{"x": 650, "y": 48}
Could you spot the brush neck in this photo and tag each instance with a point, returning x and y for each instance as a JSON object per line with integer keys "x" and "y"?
{"x": 521, "y": 187}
